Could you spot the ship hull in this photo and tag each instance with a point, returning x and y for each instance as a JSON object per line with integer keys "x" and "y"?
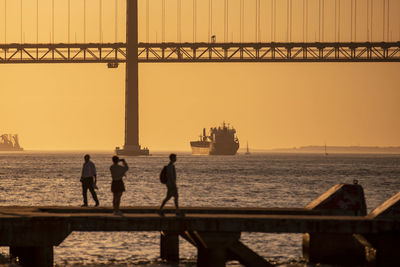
{"x": 224, "y": 149}
{"x": 208, "y": 148}
{"x": 200, "y": 148}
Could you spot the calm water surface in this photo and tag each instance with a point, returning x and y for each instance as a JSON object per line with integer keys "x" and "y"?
{"x": 258, "y": 180}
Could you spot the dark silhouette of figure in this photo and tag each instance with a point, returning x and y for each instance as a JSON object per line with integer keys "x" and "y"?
{"x": 89, "y": 180}
{"x": 117, "y": 184}
{"x": 171, "y": 186}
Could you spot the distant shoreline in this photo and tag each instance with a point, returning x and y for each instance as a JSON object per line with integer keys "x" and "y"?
{"x": 340, "y": 149}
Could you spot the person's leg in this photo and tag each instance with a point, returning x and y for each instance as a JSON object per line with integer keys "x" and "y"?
{"x": 115, "y": 201}
{"x": 92, "y": 191}
{"x": 84, "y": 192}
{"x": 118, "y": 196}
{"x": 176, "y": 202}
{"x": 168, "y": 197}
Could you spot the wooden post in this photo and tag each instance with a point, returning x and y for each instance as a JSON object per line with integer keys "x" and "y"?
{"x": 33, "y": 256}
{"x": 169, "y": 246}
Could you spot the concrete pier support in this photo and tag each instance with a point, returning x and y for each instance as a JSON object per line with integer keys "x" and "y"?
{"x": 212, "y": 248}
{"x": 40, "y": 256}
{"x": 131, "y": 146}
{"x": 169, "y": 246}
{"x": 386, "y": 245}
{"x": 341, "y": 199}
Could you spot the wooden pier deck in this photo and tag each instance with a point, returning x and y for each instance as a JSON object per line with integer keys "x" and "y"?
{"x": 273, "y": 220}
{"x": 31, "y": 232}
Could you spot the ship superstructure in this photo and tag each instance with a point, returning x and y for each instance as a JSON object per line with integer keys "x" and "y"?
{"x": 220, "y": 141}
{"x": 9, "y": 142}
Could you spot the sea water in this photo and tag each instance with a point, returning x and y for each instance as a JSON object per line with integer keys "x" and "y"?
{"x": 256, "y": 180}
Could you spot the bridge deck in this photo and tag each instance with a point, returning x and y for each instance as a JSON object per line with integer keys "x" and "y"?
{"x": 201, "y": 52}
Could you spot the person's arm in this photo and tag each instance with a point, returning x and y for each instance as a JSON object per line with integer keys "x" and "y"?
{"x": 125, "y": 164}
{"x": 95, "y": 174}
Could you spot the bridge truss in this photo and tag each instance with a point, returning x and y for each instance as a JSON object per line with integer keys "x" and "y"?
{"x": 114, "y": 53}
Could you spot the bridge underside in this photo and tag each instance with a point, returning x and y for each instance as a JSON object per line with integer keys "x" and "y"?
{"x": 114, "y": 53}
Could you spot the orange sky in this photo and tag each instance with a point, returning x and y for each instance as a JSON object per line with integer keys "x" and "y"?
{"x": 81, "y": 106}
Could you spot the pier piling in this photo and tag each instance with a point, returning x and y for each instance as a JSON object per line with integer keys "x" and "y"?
{"x": 341, "y": 199}
{"x": 169, "y": 246}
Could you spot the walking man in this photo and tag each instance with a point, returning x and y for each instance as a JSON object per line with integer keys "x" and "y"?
{"x": 89, "y": 180}
{"x": 171, "y": 185}
{"x": 117, "y": 184}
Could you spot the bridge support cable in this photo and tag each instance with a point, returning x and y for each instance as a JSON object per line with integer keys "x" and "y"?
{"x": 241, "y": 15}
{"x": 116, "y": 21}
{"x": 194, "y": 20}
{"x": 163, "y": 21}
{"x": 389, "y": 35}
{"x": 179, "y": 20}
{"x": 37, "y": 21}
{"x": 84, "y": 21}
{"x": 384, "y": 20}
{"x": 210, "y": 20}
{"x": 21, "y": 22}
{"x": 69, "y": 22}
{"x": 101, "y": 21}
{"x": 147, "y": 20}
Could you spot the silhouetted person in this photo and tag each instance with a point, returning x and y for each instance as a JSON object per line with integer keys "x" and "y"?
{"x": 117, "y": 184}
{"x": 89, "y": 180}
{"x": 171, "y": 185}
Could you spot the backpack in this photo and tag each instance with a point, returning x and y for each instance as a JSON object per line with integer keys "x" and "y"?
{"x": 163, "y": 175}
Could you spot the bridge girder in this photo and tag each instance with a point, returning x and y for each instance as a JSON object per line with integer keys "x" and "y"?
{"x": 201, "y": 52}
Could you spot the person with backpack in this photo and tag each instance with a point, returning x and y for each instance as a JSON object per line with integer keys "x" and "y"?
{"x": 168, "y": 177}
{"x": 117, "y": 184}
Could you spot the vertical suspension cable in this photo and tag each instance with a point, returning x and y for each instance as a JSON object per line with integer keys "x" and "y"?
{"x": 367, "y": 20}
{"x": 21, "y": 20}
{"x": 69, "y": 21}
{"x": 163, "y": 21}
{"x": 355, "y": 20}
{"x": 323, "y": 20}
{"x": 147, "y": 20}
{"x": 259, "y": 20}
{"x": 389, "y": 36}
{"x": 372, "y": 20}
{"x": 291, "y": 19}
{"x": 384, "y": 19}
{"x": 339, "y": 20}
{"x": 272, "y": 21}
{"x": 179, "y": 21}
{"x": 225, "y": 18}
{"x": 306, "y": 37}
{"x": 52, "y": 21}
{"x": 351, "y": 21}
{"x": 84, "y": 21}
{"x": 241, "y": 21}
{"x": 100, "y": 21}
{"x": 287, "y": 20}
{"x": 116, "y": 21}
{"x": 304, "y": 19}
{"x": 194, "y": 20}
{"x": 5, "y": 21}
{"x": 210, "y": 17}
{"x": 37, "y": 21}
{"x": 335, "y": 21}
{"x": 319, "y": 20}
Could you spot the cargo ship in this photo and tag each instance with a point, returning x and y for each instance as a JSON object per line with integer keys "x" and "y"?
{"x": 221, "y": 141}
{"x": 9, "y": 142}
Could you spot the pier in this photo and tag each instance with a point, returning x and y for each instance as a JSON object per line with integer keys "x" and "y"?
{"x": 338, "y": 218}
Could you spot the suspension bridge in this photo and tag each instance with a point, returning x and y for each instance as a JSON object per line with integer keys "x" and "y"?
{"x": 196, "y": 31}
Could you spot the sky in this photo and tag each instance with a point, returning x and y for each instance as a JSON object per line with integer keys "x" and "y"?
{"x": 271, "y": 105}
